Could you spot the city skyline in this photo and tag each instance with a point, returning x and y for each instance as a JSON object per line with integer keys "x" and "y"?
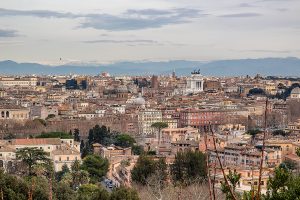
{"x": 98, "y": 32}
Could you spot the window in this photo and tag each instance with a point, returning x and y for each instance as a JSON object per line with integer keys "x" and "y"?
{"x": 59, "y": 159}
{"x": 67, "y": 158}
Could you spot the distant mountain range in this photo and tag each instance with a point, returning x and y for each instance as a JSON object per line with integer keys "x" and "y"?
{"x": 265, "y": 66}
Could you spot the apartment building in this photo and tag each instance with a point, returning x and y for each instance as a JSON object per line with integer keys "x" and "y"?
{"x": 146, "y": 118}
{"x": 14, "y": 112}
{"x": 61, "y": 151}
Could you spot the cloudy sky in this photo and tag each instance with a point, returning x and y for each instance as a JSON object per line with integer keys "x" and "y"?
{"x": 134, "y": 30}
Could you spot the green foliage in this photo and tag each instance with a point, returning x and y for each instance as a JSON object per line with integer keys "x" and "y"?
{"x": 146, "y": 167}
{"x": 32, "y": 157}
{"x": 41, "y": 190}
{"x": 124, "y": 140}
{"x": 277, "y": 184}
{"x": 233, "y": 179}
{"x": 85, "y": 149}
{"x": 61, "y": 135}
{"x": 137, "y": 150}
{"x": 123, "y": 193}
{"x": 298, "y": 152}
{"x": 279, "y": 132}
{"x": 13, "y": 188}
{"x": 64, "y": 192}
{"x": 50, "y": 116}
{"x": 188, "y": 166}
{"x": 96, "y": 166}
{"x": 91, "y": 192}
{"x": 288, "y": 91}
{"x": 159, "y": 125}
{"x": 256, "y": 91}
{"x": 151, "y": 153}
{"x": 76, "y": 135}
{"x": 99, "y": 135}
{"x": 291, "y": 165}
{"x": 9, "y": 136}
{"x": 65, "y": 169}
{"x": 253, "y": 132}
{"x": 79, "y": 176}
{"x": 143, "y": 169}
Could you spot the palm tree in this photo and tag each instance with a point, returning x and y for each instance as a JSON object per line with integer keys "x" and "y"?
{"x": 159, "y": 126}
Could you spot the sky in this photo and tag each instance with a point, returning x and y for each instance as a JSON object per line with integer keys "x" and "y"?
{"x": 107, "y": 31}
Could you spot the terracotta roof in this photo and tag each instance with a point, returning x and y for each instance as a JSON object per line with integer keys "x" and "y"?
{"x": 65, "y": 151}
{"x": 6, "y": 149}
{"x": 37, "y": 141}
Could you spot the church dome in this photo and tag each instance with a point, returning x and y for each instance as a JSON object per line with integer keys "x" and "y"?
{"x": 296, "y": 90}
{"x": 139, "y": 100}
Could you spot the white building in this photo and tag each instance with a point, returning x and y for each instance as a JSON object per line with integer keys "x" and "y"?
{"x": 194, "y": 83}
{"x": 117, "y": 108}
{"x": 25, "y": 82}
{"x": 146, "y": 118}
{"x": 14, "y": 112}
{"x": 295, "y": 93}
{"x": 61, "y": 151}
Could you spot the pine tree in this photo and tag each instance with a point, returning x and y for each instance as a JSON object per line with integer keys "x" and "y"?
{"x": 76, "y": 135}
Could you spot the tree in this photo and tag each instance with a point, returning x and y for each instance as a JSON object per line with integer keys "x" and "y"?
{"x": 76, "y": 135}
{"x": 289, "y": 164}
{"x": 137, "y": 150}
{"x": 157, "y": 182}
{"x": 85, "y": 149}
{"x": 64, "y": 192}
{"x": 188, "y": 166}
{"x": 298, "y": 152}
{"x": 92, "y": 192}
{"x": 279, "y": 132}
{"x": 50, "y": 116}
{"x": 12, "y": 188}
{"x": 124, "y": 140}
{"x": 143, "y": 169}
{"x": 96, "y": 166}
{"x": 159, "y": 126}
{"x": 9, "y": 136}
{"x": 253, "y": 133}
{"x": 277, "y": 185}
{"x": 123, "y": 193}
{"x": 161, "y": 168}
{"x": 32, "y": 157}
{"x": 65, "y": 169}
{"x": 257, "y": 91}
{"x": 99, "y": 135}
{"x": 234, "y": 179}
{"x": 79, "y": 176}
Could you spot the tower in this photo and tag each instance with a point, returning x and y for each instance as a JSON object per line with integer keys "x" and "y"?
{"x": 154, "y": 82}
